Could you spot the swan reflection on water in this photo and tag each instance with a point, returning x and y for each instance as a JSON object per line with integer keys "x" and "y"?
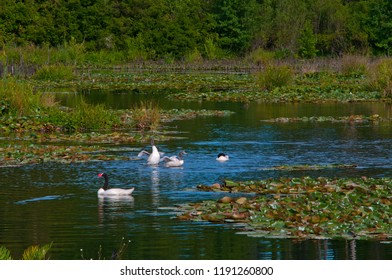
{"x": 112, "y": 205}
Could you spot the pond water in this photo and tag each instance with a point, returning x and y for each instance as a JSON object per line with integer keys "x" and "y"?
{"x": 57, "y": 203}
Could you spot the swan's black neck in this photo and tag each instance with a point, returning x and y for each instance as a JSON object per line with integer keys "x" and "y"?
{"x": 106, "y": 184}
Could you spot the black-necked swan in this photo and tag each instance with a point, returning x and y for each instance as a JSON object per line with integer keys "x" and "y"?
{"x": 174, "y": 161}
{"x": 222, "y": 157}
{"x": 113, "y": 191}
{"x": 154, "y": 157}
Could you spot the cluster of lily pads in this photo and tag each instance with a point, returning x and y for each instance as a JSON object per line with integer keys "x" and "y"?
{"x": 347, "y": 119}
{"x": 302, "y": 208}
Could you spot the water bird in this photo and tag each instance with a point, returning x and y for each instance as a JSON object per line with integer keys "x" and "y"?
{"x": 113, "y": 191}
{"x": 174, "y": 161}
{"x": 222, "y": 157}
{"x": 154, "y": 157}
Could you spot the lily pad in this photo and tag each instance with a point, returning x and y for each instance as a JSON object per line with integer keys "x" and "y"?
{"x": 305, "y": 208}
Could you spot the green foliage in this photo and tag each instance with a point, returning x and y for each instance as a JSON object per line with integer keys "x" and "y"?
{"x": 158, "y": 29}
{"x": 5, "y": 254}
{"x": 275, "y": 76}
{"x": 33, "y": 252}
{"x": 307, "y": 42}
{"x": 36, "y": 252}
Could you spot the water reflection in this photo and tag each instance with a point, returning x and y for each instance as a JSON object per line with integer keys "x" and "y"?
{"x": 110, "y": 206}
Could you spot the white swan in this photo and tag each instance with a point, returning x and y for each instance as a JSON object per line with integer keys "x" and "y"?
{"x": 113, "y": 191}
{"x": 154, "y": 157}
{"x": 222, "y": 157}
{"x": 174, "y": 161}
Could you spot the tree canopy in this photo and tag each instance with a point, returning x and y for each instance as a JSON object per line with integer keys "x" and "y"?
{"x": 160, "y": 28}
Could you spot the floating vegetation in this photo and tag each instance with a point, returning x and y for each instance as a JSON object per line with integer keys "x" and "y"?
{"x": 20, "y": 154}
{"x": 346, "y": 119}
{"x": 309, "y": 167}
{"x": 303, "y": 208}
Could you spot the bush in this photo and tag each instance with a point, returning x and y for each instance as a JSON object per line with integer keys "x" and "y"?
{"x": 379, "y": 77}
{"x": 275, "y": 76}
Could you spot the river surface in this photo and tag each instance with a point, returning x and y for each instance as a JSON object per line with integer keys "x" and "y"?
{"x": 58, "y": 203}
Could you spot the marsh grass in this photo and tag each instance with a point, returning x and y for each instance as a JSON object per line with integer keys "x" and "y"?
{"x": 55, "y": 73}
{"x": 379, "y": 77}
{"x": 261, "y": 57}
{"x": 275, "y": 76}
{"x": 354, "y": 65}
{"x": 88, "y": 116}
{"x": 146, "y": 116}
{"x": 18, "y": 97}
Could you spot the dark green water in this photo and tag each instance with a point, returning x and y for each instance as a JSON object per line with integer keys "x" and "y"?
{"x": 58, "y": 202}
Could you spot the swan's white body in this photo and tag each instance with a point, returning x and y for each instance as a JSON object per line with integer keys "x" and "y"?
{"x": 174, "y": 161}
{"x": 104, "y": 191}
{"x": 115, "y": 192}
{"x": 154, "y": 157}
{"x": 222, "y": 157}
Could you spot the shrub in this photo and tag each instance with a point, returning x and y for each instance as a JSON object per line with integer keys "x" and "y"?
{"x": 275, "y": 76}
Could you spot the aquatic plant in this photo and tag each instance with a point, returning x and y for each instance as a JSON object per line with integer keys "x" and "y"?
{"x": 274, "y": 76}
{"x": 116, "y": 254}
{"x": 375, "y": 118}
{"x": 146, "y": 116}
{"x": 304, "y": 208}
{"x": 34, "y": 252}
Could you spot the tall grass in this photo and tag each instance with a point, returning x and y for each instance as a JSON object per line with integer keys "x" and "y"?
{"x": 379, "y": 77}
{"x": 146, "y": 116}
{"x": 87, "y": 116}
{"x": 55, "y": 73}
{"x": 274, "y": 76}
{"x": 18, "y": 97}
{"x": 354, "y": 65}
{"x": 261, "y": 57}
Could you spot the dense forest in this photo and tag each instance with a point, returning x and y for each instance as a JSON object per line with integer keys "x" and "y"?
{"x": 154, "y": 29}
